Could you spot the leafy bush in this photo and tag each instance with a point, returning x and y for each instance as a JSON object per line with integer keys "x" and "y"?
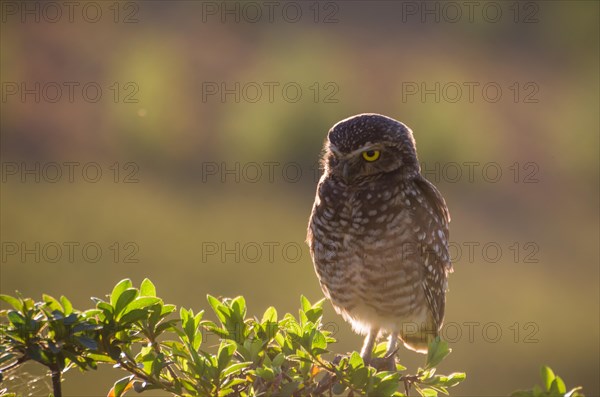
{"x": 136, "y": 331}
{"x": 554, "y": 386}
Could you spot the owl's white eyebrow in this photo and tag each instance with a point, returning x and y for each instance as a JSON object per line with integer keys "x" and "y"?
{"x": 364, "y": 148}
{"x": 368, "y": 146}
{"x": 334, "y": 149}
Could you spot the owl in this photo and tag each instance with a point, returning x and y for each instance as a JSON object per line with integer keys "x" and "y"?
{"x": 378, "y": 234}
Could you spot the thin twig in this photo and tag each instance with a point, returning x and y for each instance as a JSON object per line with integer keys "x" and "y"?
{"x": 15, "y": 364}
{"x": 56, "y": 378}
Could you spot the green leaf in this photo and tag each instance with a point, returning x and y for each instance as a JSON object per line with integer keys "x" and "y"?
{"x": 220, "y": 309}
{"x": 125, "y": 299}
{"x": 67, "y": 305}
{"x": 131, "y": 316}
{"x": 547, "y": 377}
{"x": 234, "y": 369}
{"x": 427, "y": 392}
{"x": 105, "y": 307}
{"x": 39, "y": 355}
{"x": 141, "y": 303}
{"x": 166, "y": 326}
{"x": 400, "y": 367}
{"x": 360, "y": 377}
{"x": 305, "y": 304}
{"x": 226, "y": 350}
{"x": 71, "y": 319}
{"x": 318, "y": 304}
{"x": 184, "y": 314}
{"x": 198, "y": 317}
{"x": 228, "y": 391}
{"x": 558, "y": 387}
{"x": 302, "y": 317}
{"x": 278, "y": 360}
{"x": 356, "y": 360}
{"x": 438, "y": 350}
{"x": 288, "y": 388}
{"x": 386, "y": 387}
{"x": 452, "y": 379}
{"x": 338, "y": 388}
{"x": 100, "y": 357}
{"x": 121, "y": 386}
{"x": 52, "y": 303}
{"x": 16, "y": 318}
{"x": 6, "y": 357}
{"x": 441, "y": 381}
{"x": 87, "y": 342}
{"x": 17, "y": 304}
{"x": 189, "y": 386}
{"x": 319, "y": 344}
{"x": 166, "y": 309}
{"x": 270, "y": 315}
{"x": 190, "y": 323}
{"x": 147, "y": 288}
{"x": 380, "y": 349}
{"x": 28, "y": 303}
{"x": 427, "y": 375}
{"x": 118, "y": 290}
{"x": 265, "y": 373}
{"x": 213, "y": 302}
{"x": 239, "y": 306}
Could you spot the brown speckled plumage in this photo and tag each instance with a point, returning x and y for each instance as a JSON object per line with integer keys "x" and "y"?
{"x": 378, "y": 233}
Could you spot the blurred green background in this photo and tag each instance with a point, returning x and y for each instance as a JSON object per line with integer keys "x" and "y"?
{"x": 535, "y": 302}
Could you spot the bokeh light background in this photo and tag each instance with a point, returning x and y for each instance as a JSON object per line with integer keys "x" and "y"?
{"x": 370, "y": 54}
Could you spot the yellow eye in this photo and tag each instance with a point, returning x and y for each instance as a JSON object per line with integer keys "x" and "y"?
{"x": 371, "y": 155}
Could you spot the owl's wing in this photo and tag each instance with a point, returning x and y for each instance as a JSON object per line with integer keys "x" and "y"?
{"x": 435, "y": 200}
{"x": 433, "y": 217}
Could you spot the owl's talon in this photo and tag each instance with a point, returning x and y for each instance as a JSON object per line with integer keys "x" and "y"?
{"x": 325, "y": 384}
{"x": 387, "y": 363}
{"x": 392, "y": 354}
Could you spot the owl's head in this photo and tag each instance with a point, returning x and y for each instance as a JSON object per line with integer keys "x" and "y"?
{"x": 365, "y": 146}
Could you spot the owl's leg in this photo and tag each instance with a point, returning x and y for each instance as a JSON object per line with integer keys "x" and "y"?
{"x": 367, "y": 348}
{"x": 388, "y": 362}
{"x": 392, "y": 345}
